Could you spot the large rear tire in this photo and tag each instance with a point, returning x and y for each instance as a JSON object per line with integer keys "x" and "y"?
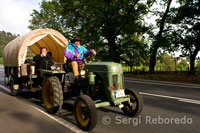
{"x": 52, "y": 94}
{"x": 85, "y": 112}
{"x": 136, "y": 99}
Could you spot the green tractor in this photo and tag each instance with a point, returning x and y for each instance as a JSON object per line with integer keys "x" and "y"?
{"x": 101, "y": 84}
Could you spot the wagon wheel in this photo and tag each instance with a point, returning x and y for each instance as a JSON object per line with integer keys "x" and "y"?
{"x": 15, "y": 88}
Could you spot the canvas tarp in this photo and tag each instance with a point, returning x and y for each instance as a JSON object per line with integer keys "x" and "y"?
{"x": 15, "y": 52}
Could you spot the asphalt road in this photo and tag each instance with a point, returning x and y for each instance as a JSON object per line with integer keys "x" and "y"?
{"x": 168, "y": 108}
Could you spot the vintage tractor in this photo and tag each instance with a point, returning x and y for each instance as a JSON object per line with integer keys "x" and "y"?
{"x": 101, "y": 84}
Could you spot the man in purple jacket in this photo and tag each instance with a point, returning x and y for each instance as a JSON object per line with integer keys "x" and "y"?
{"x": 75, "y": 54}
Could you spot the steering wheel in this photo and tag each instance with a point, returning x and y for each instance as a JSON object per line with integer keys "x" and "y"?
{"x": 49, "y": 63}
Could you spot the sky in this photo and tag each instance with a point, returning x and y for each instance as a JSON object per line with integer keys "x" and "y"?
{"x": 15, "y": 14}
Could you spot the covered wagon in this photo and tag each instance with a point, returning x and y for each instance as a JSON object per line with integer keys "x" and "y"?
{"x": 15, "y": 52}
{"x": 20, "y": 71}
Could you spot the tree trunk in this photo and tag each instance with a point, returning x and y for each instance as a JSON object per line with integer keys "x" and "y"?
{"x": 152, "y": 63}
{"x": 156, "y": 46}
{"x": 192, "y": 63}
{"x": 113, "y": 51}
{"x": 131, "y": 70}
{"x": 192, "y": 59}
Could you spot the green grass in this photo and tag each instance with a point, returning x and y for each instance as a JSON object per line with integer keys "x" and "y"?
{"x": 135, "y": 68}
{"x": 182, "y": 78}
{"x": 1, "y": 60}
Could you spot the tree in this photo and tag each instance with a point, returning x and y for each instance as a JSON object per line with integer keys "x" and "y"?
{"x": 159, "y": 40}
{"x": 166, "y": 63}
{"x": 182, "y": 65}
{"x": 135, "y": 53}
{"x": 198, "y": 65}
{"x": 106, "y": 22}
{"x": 185, "y": 33}
{"x": 5, "y": 38}
{"x": 103, "y": 24}
{"x": 48, "y": 17}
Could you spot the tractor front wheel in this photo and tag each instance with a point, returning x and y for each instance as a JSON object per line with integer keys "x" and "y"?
{"x": 52, "y": 94}
{"x": 85, "y": 112}
{"x": 137, "y": 103}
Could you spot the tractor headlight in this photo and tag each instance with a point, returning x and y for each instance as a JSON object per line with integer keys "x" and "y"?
{"x": 53, "y": 68}
{"x": 82, "y": 72}
{"x": 58, "y": 68}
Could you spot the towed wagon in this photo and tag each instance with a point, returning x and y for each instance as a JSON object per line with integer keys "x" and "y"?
{"x": 20, "y": 72}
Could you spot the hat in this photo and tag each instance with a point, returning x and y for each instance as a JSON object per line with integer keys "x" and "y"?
{"x": 76, "y": 39}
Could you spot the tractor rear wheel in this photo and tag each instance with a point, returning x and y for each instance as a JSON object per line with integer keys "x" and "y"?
{"x": 52, "y": 94}
{"x": 85, "y": 112}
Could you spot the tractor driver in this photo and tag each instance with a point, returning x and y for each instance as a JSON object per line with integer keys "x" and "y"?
{"x": 75, "y": 53}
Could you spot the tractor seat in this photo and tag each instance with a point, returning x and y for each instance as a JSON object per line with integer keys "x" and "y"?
{"x": 29, "y": 61}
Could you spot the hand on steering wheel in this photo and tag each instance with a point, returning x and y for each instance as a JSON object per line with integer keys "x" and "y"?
{"x": 78, "y": 55}
{"x": 93, "y": 51}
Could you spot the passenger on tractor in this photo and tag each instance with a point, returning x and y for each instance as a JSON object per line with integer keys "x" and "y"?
{"x": 51, "y": 56}
{"x": 42, "y": 62}
{"x": 75, "y": 53}
{"x": 42, "y": 59}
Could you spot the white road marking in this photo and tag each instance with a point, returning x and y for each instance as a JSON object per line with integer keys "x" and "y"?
{"x": 190, "y": 101}
{"x": 166, "y": 84}
{"x": 64, "y": 123}
{"x": 176, "y": 98}
{"x": 4, "y": 88}
{"x": 163, "y": 96}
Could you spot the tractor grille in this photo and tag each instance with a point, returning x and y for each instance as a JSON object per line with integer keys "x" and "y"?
{"x": 118, "y": 83}
{"x": 115, "y": 81}
{"x": 122, "y": 81}
{"x": 114, "y": 77}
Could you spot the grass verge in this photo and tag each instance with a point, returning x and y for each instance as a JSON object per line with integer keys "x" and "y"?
{"x": 182, "y": 78}
{"x": 1, "y": 60}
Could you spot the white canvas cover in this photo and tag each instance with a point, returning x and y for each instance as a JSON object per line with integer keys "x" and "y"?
{"x": 15, "y": 51}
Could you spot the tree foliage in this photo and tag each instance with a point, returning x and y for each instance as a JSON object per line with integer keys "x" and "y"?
{"x": 165, "y": 63}
{"x": 184, "y": 33}
{"x": 113, "y": 28}
{"x": 116, "y": 28}
{"x": 5, "y": 38}
{"x": 47, "y": 17}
